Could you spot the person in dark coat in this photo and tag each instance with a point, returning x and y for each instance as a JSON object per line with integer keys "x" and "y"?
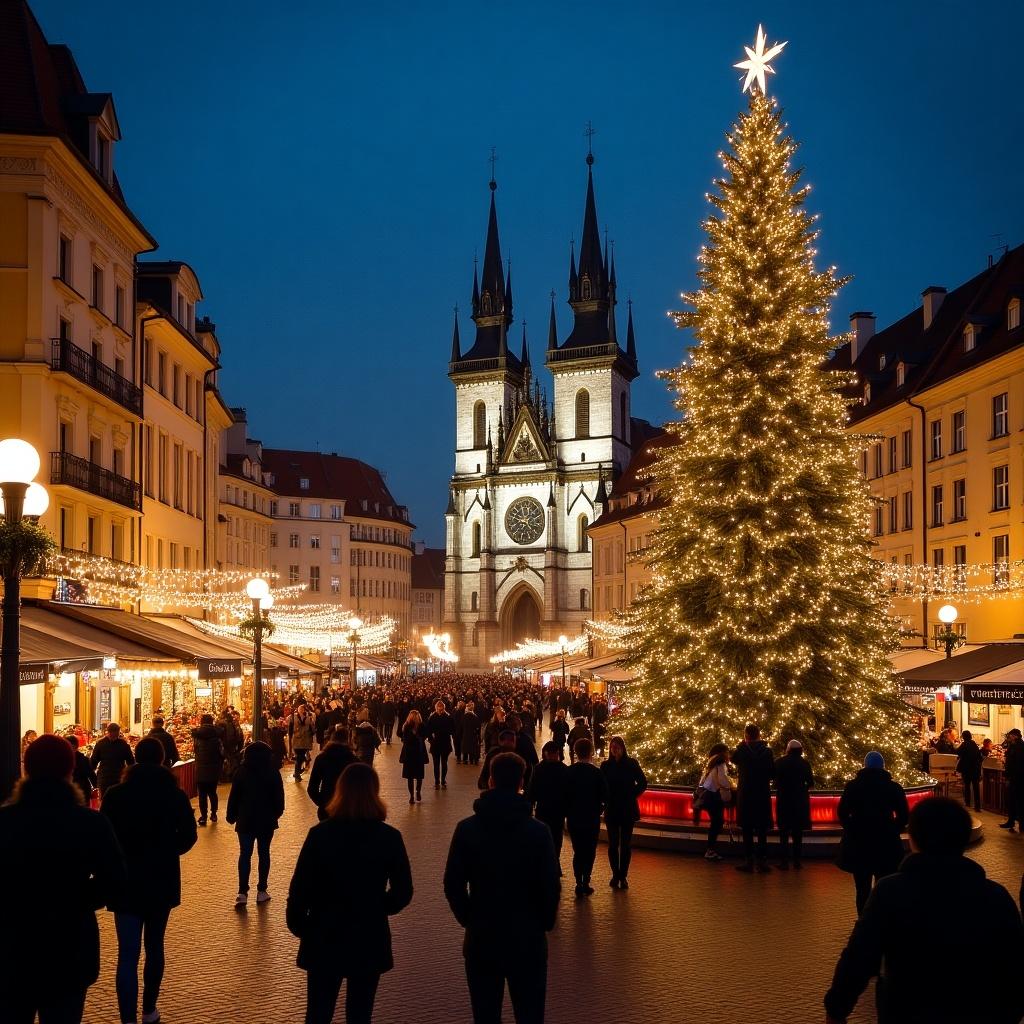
{"x": 753, "y": 758}
{"x": 365, "y": 742}
{"x": 501, "y": 882}
{"x": 343, "y": 927}
{"x": 626, "y": 781}
{"x": 560, "y": 732}
{"x": 110, "y": 756}
{"x": 547, "y": 794}
{"x": 457, "y": 716}
{"x": 886, "y": 940}
{"x": 158, "y": 732}
{"x": 1013, "y": 772}
{"x": 208, "y": 748}
{"x": 46, "y": 835}
{"x": 275, "y": 733}
{"x": 793, "y": 784}
{"x": 470, "y": 735}
{"x": 327, "y": 769}
{"x": 439, "y": 732}
{"x": 84, "y": 776}
{"x": 506, "y": 744}
{"x": 414, "y": 757}
{"x": 586, "y": 796}
{"x": 255, "y": 804}
{"x": 968, "y": 764}
{"x": 155, "y": 825}
{"x": 388, "y": 717}
{"x": 525, "y": 747}
{"x": 873, "y": 812}
{"x": 579, "y": 731}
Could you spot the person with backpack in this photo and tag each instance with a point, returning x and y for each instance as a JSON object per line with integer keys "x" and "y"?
{"x": 711, "y": 795}
{"x": 255, "y": 804}
{"x": 413, "y": 757}
{"x": 208, "y": 748}
{"x": 155, "y": 825}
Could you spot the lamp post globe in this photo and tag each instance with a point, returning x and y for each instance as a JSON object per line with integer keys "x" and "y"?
{"x": 19, "y": 461}
{"x": 948, "y": 614}
{"x": 257, "y": 588}
{"x": 266, "y": 603}
{"x": 354, "y": 624}
{"x": 562, "y": 641}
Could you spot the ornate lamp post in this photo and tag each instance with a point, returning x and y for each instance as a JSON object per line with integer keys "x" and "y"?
{"x": 354, "y": 624}
{"x": 258, "y": 591}
{"x": 562, "y": 641}
{"x": 952, "y": 639}
{"x": 19, "y": 463}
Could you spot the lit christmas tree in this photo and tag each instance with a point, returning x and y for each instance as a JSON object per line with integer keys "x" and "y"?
{"x": 766, "y": 606}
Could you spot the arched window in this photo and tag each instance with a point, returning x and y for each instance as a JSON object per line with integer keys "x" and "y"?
{"x": 486, "y": 304}
{"x": 476, "y": 541}
{"x": 479, "y": 425}
{"x": 474, "y": 637}
{"x": 582, "y": 540}
{"x": 623, "y": 418}
{"x": 584, "y": 599}
{"x": 473, "y": 601}
{"x": 583, "y": 413}
{"x": 585, "y": 290}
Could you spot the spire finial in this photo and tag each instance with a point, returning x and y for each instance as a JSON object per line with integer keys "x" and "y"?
{"x": 590, "y": 132}
{"x": 493, "y": 161}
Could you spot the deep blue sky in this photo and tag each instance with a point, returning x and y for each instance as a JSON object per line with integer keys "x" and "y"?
{"x": 323, "y": 167}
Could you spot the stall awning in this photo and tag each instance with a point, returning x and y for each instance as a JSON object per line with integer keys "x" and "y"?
{"x": 99, "y": 642}
{"x": 1001, "y": 686}
{"x": 38, "y": 648}
{"x": 959, "y": 669}
{"x": 907, "y": 658}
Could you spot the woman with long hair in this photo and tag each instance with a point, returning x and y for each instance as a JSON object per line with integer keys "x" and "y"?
{"x": 560, "y": 732}
{"x": 343, "y": 928}
{"x": 717, "y": 793}
{"x": 626, "y": 782}
{"x": 414, "y": 755}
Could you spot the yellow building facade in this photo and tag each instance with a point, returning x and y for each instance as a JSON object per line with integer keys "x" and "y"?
{"x": 243, "y": 523}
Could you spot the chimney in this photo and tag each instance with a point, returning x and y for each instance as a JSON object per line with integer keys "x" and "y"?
{"x": 931, "y": 299}
{"x": 863, "y": 327}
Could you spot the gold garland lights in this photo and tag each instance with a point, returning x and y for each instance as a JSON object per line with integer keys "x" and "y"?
{"x": 373, "y": 637}
{"x": 439, "y": 646}
{"x": 527, "y": 650}
{"x": 765, "y": 604}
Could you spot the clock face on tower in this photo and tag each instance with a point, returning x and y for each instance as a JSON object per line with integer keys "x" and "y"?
{"x": 524, "y": 520}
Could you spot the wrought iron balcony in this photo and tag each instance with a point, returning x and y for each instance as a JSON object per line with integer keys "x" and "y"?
{"x": 85, "y": 367}
{"x": 604, "y": 350}
{"x": 66, "y": 468}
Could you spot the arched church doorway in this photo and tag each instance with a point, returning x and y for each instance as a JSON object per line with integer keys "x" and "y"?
{"x": 520, "y": 618}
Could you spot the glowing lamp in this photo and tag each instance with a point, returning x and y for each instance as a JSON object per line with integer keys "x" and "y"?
{"x": 19, "y": 461}
{"x": 355, "y": 623}
{"x": 267, "y": 602}
{"x": 563, "y": 640}
{"x": 947, "y": 614}
{"x": 110, "y": 662}
{"x": 257, "y": 589}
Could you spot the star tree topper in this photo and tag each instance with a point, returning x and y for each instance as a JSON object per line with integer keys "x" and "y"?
{"x": 756, "y": 64}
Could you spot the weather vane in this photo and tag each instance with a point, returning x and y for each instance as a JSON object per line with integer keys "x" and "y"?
{"x": 757, "y": 63}
{"x": 493, "y": 161}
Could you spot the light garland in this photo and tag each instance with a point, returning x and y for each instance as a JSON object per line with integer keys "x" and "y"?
{"x": 609, "y": 631}
{"x": 373, "y": 637}
{"x": 527, "y": 650}
{"x": 439, "y": 646}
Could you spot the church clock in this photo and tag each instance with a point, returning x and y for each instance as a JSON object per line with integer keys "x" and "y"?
{"x": 524, "y": 520}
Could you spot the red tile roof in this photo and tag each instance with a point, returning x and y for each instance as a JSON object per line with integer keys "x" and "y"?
{"x": 428, "y": 569}
{"x": 332, "y": 476}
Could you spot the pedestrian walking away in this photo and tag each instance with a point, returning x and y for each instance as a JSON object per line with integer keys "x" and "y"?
{"x": 46, "y": 834}
{"x": 712, "y": 794}
{"x": 84, "y": 775}
{"x": 968, "y": 765}
{"x": 886, "y": 940}
{"x": 110, "y": 755}
{"x": 1013, "y": 772}
{"x": 158, "y": 732}
{"x": 209, "y": 755}
{"x": 586, "y": 795}
{"x": 343, "y": 928}
{"x": 366, "y": 742}
{"x": 753, "y": 758}
{"x": 327, "y": 769}
{"x": 873, "y": 812}
{"x": 547, "y": 794}
{"x": 793, "y": 783}
{"x": 501, "y": 882}
{"x": 626, "y": 782}
{"x": 155, "y": 825}
{"x": 255, "y": 804}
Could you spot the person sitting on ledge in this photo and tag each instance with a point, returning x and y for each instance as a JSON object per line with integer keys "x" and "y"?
{"x": 886, "y": 940}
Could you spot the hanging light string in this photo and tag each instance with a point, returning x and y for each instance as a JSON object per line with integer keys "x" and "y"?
{"x": 373, "y": 637}
{"x": 527, "y": 650}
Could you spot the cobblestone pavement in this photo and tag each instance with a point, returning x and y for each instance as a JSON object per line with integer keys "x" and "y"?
{"x": 635, "y": 956}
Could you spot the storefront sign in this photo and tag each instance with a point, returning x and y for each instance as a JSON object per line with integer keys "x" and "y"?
{"x": 104, "y": 704}
{"x": 917, "y": 689}
{"x": 981, "y": 694}
{"x": 33, "y": 674}
{"x": 220, "y": 668}
{"x": 204, "y": 691}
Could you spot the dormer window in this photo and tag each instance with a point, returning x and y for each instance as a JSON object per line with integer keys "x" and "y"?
{"x": 304, "y": 483}
{"x": 867, "y": 394}
{"x": 881, "y": 362}
{"x": 1013, "y": 315}
{"x": 970, "y": 337}
{"x": 901, "y": 375}
{"x": 181, "y": 310}
{"x": 103, "y": 155}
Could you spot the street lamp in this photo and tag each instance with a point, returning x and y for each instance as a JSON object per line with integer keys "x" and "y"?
{"x": 354, "y": 624}
{"x": 949, "y": 636}
{"x": 562, "y": 641}
{"x": 258, "y": 591}
{"x": 19, "y": 463}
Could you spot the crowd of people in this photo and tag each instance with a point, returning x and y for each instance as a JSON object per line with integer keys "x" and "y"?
{"x": 502, "y": 880}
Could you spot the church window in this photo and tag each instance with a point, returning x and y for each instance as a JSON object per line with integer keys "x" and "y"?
{"x": 474, "y": 637}
{"x": 586, "y": 292}
{"x": 473, "y": 601}
{"x": 485, "y": 304}
{"x": 583, "y": 413}
{"x": 584, "y": 599}
{"x": 479, "y": 425}
{"x": 582, "y": 540}
{"x": 476, "y": 540}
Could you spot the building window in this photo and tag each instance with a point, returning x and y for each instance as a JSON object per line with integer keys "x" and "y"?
{"x": 908, "y": 510}
{"x": 97, "y": 287}
{"x": 119, "y": 306}
{"x": 1013, "y": 315}
{"x": 970, "y": 338}
{"x": 959, "y": 562}
{"x": 584, "y": 599}
{"x": 867, "y": 394}
{"x": 273, "y": 539}
{"x": 293, "y": 575}
{"x": 161, "y": 373}
{"x": 901, "y": 375}
{"x": 176, "y": 385}
{"x": 315, "y": 510}
{"x": 476, "y": 541}
{"x": 64, "y": 259}
{"x": 893, "y": 466}
{"x": 294, "y": 509}
{"x": 1000, "y": 488}
{"x": 303, "y": 483}
{"x": 864, "y": 463}
{"x": 1001, "y": 559}
{"x": 878, "y": 521}
{"x": 582, "y": 538}
{"x": 314, "y": 579}
{"x": 336, "y": 550}
{"x": 1001, "y": 415}
{"x": 908, "y": 449}
{"x": 959, "y": 500}
{"x": 937, "y": 505}
{"x": 878, "y": 459}
{"x": 936, "y": 438}
{"x": 335, "y": 584}
{"x": 583, "y": 413}
{"x": 473, "y": 601}
{"x": 314, "y": 541}
{"x": 894, "y": 510}
{"x": 335, "y": 511}
{"x": 479, "y": 425}
{"x": 881, "y": 362}
{"x": 959, "y": 431}
{"x": 293, "y": 540}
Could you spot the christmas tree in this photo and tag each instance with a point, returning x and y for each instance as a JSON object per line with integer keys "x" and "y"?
{"x": 766, "y": 606}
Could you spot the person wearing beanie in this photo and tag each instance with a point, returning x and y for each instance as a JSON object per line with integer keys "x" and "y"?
{"x": 793, "y": 782}
{"x": 873, "y": 812}
{"x": 155, "y": 825}
{"x": 47, "y": 833}
{"x": 886, "y": 940}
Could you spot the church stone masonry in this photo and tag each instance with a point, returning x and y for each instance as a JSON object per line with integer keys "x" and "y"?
{"x": 531, "y": 476}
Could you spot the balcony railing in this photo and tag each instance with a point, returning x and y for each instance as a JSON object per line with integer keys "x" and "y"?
{"x": 83, "y": 366}
{"x": 609, "y": 348}
{"x": 66, "y": 468}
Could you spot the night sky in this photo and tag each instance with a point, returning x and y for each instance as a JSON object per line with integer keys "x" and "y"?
{"x": 323, "y": 167}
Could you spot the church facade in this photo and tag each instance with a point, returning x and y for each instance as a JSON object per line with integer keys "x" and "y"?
{"x": 532, "y": 475}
